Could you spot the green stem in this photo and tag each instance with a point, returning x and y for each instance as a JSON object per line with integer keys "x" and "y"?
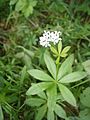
{"x": 57, "y": 67}
{"x": 21, "y": 106}
{"x": 81, "y": 83}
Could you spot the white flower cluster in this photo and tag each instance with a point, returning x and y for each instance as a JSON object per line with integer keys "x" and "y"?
{"x": 50, "y": 37}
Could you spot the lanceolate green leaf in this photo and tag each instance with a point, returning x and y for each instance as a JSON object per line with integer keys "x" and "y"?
{"x": 60, "y": 111}
{"x": 42, "y": 95}
{"x": 40, "y": 75}
{"x": 60, "y": 47}
{"x": 52, "y": 96}
{"x": 67, "y": 94}
{"x": 65, "y": 50}
{"x": 73, "y": 77}
{"x": 51, "y": 102}
{"x": 54, "y": 50}
{"x": 41, "y": 112}
{"x": 50, "y": 65}
{"x": 1, "y": 114}
{"x": 64, "y": 54}
{"x": 34, "y": 101}
{"x": 65, "y": 67}
{"x": 50, "y": 114}
{"x": 37, "y": 88}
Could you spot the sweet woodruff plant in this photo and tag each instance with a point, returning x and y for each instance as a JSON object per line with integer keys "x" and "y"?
{"x": 52, "y": 87}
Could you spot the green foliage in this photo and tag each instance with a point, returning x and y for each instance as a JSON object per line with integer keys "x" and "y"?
{"x": 41, "y": 112}
{"x": 84, "y": 99}
{"x": 65, "y": 93}
{"x": 86, "y": 66}
{"x": 73, "y": 77}
{"x": 60, "y": 53}
{"x": 50, "y": 65}
{"x": 50, "y": 85}
{"x": 66, "y": 67}
{"x": 85, "y": 96}
{"x": 39, "y": 87}
{"x": 60, "y": 111}
{"x": 84, "y": 115}
{"x": 34, "y": 102}
{"x": 55, "y": 84}
{"x": 40, "y": 75}
{"x": 1, "y": 113}
{"x": 23, "y": 6}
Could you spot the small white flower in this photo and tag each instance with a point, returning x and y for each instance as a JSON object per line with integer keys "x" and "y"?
{"x": 55, "y": 37}
{"x": 44, "y": 42}
{"x": 50, "y": 37}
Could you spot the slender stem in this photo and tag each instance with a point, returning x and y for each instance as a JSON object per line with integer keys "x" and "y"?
{"x": 21, "y": 106}
{"x": 81, "y": 83}
{"x": 57, "y": 67}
